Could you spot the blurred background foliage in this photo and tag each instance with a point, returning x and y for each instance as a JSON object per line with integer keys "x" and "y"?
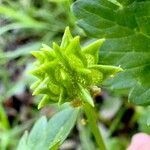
{"x": 24, "y": 26}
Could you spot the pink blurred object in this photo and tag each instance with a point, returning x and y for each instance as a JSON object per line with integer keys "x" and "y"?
{"x": 140, "y": 141}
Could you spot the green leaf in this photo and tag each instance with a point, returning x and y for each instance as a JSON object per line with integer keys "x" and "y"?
{"x": 37, "y": 134}
{"x": 49, "y": 135}
{"x": 22, "y": 143}
{"x": 126, "y": 27}
{"x": 86, "y": 141}
{"x": 92, "y": 50}
{"x": 60, "y": 126}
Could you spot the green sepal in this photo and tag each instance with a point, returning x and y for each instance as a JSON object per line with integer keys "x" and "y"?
{"x": 39, "y": 55}
{"x": 39, "y": 91}
{"x": 61, "y": 97}
{"x": 84, "y": 77}
{"x": 39, "y": 88}
{"x": 38, "y": 72}
{"x": 84, "y": 71}
{"x": 42, "y": 88}
{"x": 35, "y": 84}
{"x": 45, "y": 100}
{"x": 54, "y": 89}
{"x": 60, "y": 55}
{"x": 106, "y": 70}
{"x": 49, "y": 55}
{"x": 96, "y": 77}
{"x": 49, "y": 66}
{"x": 93, "y": 50}
{"x": 85, "y": 95}
{"x": 63, "y": 75}
{"x": 48, "y": 52}
{"x": 75, "y": 48}
{"x": 46, "y": 47}
{"x": 67, "y": 37}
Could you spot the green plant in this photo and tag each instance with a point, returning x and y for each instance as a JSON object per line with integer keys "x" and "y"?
{"x": 24, "y": 26}
{"x": 70, "y": 76}
{"x": 68, "y": 73}
{"x": 125, "y": 25}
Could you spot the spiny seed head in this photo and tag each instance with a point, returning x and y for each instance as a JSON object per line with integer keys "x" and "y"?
{"x": 66, "y": 72}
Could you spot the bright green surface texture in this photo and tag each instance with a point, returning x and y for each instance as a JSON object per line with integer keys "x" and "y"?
{"x": 126, "y": 27}
{"x": 67, "y": 72}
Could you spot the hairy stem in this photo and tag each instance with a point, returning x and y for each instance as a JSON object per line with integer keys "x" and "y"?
{"x": 91, "y": 115}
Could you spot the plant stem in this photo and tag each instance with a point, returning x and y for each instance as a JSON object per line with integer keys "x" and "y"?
{"x": 116, "y": 121}
{"x": 91, "y": 115}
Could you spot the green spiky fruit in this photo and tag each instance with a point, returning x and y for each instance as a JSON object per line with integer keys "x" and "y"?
{"x": 65, "y": 73}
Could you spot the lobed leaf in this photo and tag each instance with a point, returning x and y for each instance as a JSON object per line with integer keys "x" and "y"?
{"x": 126, "y": 27}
